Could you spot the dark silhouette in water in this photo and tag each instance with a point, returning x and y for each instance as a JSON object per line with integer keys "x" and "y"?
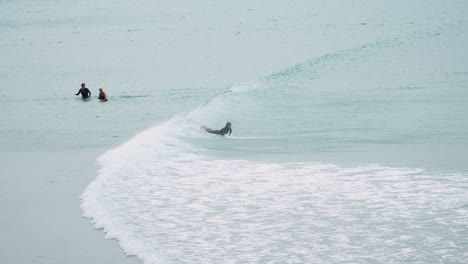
{"x": 221, "y": 132}
{"x": 85, "y": 92}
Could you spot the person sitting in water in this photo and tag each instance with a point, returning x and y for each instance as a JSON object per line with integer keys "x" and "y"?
{"x": 85, "y": 92}
{"x": 102, "y": 95}
{"x": 222, "y": 132}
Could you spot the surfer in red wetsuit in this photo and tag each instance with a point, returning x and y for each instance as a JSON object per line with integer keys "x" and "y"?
{"x": 102, "y": 95}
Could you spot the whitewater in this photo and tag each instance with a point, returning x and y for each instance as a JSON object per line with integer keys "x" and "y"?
{"x": 349, "y": 140}
{"x": 357, "y": 155}
{"x": 174, "y": 194}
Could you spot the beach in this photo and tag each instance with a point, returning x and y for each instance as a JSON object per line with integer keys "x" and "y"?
{"x": 41, "y": 220}
{"x": 349, "y": 132}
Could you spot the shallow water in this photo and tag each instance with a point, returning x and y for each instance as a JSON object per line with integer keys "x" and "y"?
{"x": 349, "y": 121}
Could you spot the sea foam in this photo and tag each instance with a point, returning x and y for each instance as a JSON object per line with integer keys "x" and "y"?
{"x": 167, "y": 202}
{"x": 175, "y": 194}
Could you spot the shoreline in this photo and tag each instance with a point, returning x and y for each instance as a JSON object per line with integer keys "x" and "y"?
{"x": 42, "y": 220}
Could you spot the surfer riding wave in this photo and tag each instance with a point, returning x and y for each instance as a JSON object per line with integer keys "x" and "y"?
{"x": 221, "y": 132}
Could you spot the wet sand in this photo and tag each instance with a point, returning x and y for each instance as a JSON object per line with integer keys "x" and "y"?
{"x": 41, "y": 217}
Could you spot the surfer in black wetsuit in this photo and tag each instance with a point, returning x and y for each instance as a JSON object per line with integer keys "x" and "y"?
{"x": 222, "y": 132}
{"x": 85, "y": 92}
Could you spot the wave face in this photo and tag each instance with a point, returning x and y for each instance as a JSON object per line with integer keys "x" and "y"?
{"x": 298, "y": 181}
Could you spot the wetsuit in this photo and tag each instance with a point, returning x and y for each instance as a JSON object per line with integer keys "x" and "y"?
{"x": 85, "y": 93}
{"x": 101, "y": 96}
{"x": 221, "y": 132}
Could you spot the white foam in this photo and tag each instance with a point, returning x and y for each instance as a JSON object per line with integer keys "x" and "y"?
{"x": 167, "y": 204}
{"x": 245, "y": 87}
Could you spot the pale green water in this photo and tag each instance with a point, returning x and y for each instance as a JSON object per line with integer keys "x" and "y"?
{"x": 380, "y": 85}
{"x": 349, "y": 124}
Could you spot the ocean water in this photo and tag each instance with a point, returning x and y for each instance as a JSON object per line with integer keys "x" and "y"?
{"x": 350, "y": 125}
